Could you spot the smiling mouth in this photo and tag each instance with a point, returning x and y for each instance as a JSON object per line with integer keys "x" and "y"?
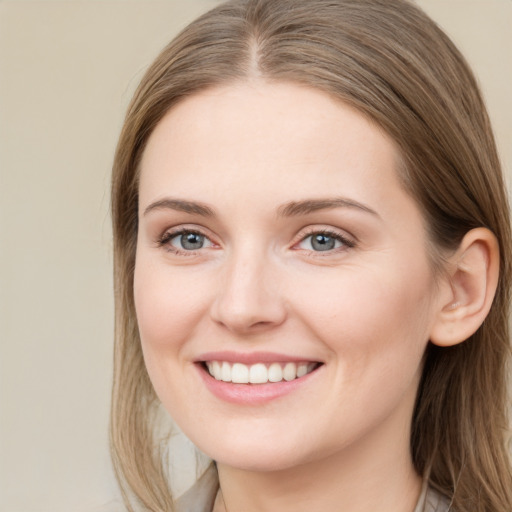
{"x": 259, "y": 373}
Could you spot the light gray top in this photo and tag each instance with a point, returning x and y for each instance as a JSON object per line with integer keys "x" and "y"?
{"x": 431, "y": 501}
{"x": 201, "y": 497}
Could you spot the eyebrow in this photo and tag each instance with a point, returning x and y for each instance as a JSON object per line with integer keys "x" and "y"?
{"x": 181, "y": 205}
{"x": 312, "y": 205}
{"x": 293, "y": 208}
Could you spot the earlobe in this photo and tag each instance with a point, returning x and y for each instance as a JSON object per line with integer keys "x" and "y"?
{"x": 472, "y": 279}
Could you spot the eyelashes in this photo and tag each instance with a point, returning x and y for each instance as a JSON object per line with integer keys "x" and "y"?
{"x": 184, "y": 241}
{"x": 324, "y": 240}
{"x": 315, "y": 241}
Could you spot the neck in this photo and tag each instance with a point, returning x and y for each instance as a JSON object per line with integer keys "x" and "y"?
{"x": 367, "y": 476}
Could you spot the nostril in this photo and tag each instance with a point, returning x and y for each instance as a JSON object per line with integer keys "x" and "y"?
{"x": 247, "y": 300}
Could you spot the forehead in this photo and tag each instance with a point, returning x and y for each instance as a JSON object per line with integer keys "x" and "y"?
{"x": 254, "y": 112}
{"x": 280, "y": 139}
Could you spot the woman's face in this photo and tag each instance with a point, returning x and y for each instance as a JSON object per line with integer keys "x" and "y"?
{"x": 276, "y": 244}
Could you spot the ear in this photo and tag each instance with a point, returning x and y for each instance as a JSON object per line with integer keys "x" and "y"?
{"x": 469, "y": 288}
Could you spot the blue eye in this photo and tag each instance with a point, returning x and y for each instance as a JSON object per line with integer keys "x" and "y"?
{"x": 185, "y": 241}
{"x": 324, "y": 241}
{"x": 189, "y": 241}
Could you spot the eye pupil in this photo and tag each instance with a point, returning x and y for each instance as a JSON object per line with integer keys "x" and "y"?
{"x": 192, "y": 241}
{"x": 321, "y": 242}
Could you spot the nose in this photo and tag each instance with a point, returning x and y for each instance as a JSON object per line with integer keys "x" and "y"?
{"x": 249, "y": 297}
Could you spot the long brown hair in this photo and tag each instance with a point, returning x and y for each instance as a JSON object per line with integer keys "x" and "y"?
{"x": 387, "y": 59}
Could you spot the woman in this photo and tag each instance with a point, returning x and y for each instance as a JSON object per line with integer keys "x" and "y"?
{"x": 311, "y": 238}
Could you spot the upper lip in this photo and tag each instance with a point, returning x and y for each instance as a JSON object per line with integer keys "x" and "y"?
{"x": 253, "y": 357}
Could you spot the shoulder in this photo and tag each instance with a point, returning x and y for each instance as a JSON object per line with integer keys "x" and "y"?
{"x": 201, "y": 496}
{"x": 432, "y": 501}
{"x": 436, "y": 502}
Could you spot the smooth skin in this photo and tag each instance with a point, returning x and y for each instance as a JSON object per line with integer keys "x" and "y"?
{"x": 226, "y": 261}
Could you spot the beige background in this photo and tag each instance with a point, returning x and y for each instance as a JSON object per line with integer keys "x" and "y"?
{"x": 67, "y": 70}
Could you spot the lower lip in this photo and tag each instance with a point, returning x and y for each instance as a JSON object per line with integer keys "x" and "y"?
{"x": 252, "y": 394}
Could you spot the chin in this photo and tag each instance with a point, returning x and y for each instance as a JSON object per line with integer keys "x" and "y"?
{"x": 258, "y": 456}
{"x": 259, "y": 461}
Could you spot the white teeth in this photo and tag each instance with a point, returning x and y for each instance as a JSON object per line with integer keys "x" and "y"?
{"x": 217, "y": 370}
{"x": 239, "y": 373}
{"x": 275, "y": 373}
{"x": 259, "y": 373}
{"x": 302, "y": 369}
{"x": 225, "y": 372}
{"x": 289, "y": 371}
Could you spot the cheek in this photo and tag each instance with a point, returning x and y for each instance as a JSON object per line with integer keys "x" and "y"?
{"x": 376, "y": 319}
{"x": 376, "y": 329}
{"x": 168, "y": 304}
{"x": 169, "y": 308}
